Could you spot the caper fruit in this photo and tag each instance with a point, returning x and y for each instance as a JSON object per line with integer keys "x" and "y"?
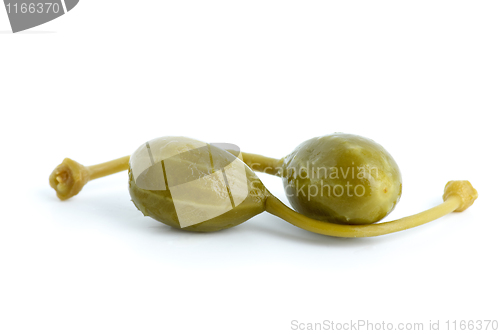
{"x": 202, "y": 187}
{"x": 192, "y": 185}
{"x": 342, "y": 178}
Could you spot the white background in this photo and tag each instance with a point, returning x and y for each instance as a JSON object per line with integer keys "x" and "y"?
{"x": 421, "y": 78}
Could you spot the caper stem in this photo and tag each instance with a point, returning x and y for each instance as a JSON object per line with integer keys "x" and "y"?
{"x": 70, "y": 177}
{"x": 108, "y": 168}
{"x": 277, "y": 208}
{"x": 260, "y": 163}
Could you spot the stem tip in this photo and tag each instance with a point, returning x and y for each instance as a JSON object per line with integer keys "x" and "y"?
{"x": 463, "y": 190}
{"x": 68, "y": 178}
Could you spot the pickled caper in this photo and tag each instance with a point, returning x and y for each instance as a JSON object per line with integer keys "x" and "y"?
{"x": 192, "y": 185}
{"x": 195, "y": 186}
{"x": 339, "y": 178}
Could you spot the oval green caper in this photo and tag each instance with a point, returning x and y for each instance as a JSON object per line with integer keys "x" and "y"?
{"x": 192, "y": 185}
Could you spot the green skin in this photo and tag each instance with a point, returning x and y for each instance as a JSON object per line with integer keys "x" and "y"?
{"x": 319, "y": 181}
{"x": 159, "y": 205}
{"x": 313, "y": 175}
{"x": 204, "y": 179}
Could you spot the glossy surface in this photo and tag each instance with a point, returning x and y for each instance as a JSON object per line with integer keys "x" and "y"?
{"x": 189, "y": 184}
{"x": 342, "y": 178}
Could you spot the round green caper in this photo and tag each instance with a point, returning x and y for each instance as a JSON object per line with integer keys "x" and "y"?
{"x": 339, "y": 178}
{"x": 342, "y": 178}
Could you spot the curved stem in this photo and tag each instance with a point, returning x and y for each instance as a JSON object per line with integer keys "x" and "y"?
{"x": 458, "y": 196}
{"x": 260, "y": 163}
